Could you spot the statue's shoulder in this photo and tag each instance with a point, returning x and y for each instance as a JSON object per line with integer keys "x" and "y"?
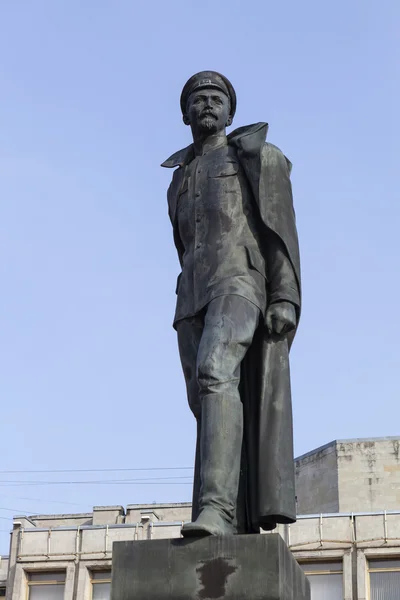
{"x": 271, "y": 154}
{"x": 272, "y": 149}
{"x": 251, "y": 139}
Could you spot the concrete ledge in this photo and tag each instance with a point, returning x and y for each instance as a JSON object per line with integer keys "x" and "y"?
{"x": 255, "y": 567}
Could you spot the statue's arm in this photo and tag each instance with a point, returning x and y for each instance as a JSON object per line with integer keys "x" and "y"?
{"x": 283, "y": 287}
{"x": 172, "y": 200}
{"x": 276, "y": 204}
{"x": 282, "y": 279}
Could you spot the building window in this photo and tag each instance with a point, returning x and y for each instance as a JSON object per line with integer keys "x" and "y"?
{"x": 46, "y": 585}
{"x": 101, "y": 585}
{"x": 384, "y": 579}
{"x": 326, "y": 579}
{"x": 2, "y": 592}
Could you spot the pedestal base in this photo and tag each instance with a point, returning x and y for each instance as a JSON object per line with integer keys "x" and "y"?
{"x": 251, "y": 567}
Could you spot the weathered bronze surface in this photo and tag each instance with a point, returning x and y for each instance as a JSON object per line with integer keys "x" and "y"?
{"x": 238, "y": 306}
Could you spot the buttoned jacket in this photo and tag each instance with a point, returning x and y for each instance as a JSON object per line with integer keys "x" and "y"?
{"x": 268, "y": 467}
{"x": 268, "y": 173}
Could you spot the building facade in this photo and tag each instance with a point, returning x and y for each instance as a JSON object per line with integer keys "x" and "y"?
{"x": 3, "y": 575}
{"x": 350, "y": 476}
{"x": 347, "y": 541}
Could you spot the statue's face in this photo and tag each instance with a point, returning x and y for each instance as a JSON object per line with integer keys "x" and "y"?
{"x": 208, "y": 111}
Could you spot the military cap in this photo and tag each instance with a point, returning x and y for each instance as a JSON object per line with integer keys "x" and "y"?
{"x": 208, "y": 79}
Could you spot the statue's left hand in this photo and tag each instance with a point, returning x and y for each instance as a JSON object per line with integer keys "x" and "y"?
{"x": 281, "y": 318}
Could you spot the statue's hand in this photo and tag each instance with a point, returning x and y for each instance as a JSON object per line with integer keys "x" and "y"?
{"x": 281, "y": 318}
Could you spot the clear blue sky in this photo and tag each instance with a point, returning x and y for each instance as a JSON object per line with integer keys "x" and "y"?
{"x": 89, "y": 369}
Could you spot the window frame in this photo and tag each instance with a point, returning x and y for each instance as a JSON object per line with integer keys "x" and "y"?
{"x": 29, "y": 583}
{"x": 381, "y": 558}
{"x": 321, "y": 561}
{"x": 382, "y": 569}
{"x": 94, "y": 581}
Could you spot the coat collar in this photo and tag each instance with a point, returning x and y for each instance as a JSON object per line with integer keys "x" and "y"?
{"x": 249, "y": 138}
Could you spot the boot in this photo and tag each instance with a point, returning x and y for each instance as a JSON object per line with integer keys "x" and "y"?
{"x": 220, "y": 451}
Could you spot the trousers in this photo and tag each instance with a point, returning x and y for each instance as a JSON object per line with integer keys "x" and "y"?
{"x": 212, "y": 346}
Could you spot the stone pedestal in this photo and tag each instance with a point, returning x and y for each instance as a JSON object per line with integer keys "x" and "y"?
{"x": 245, "y": 567}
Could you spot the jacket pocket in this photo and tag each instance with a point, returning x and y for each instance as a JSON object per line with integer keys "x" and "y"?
{"x": 257, "y": 261}
{"x": 184, "y": 187}
{"x": 178, "y": 282}
{"x": 223, "y": 169}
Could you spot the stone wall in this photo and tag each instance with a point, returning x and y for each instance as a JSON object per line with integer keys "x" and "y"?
{"x": 317, "y": 481}
{"x": 3, "y": 570}
{"x": 369, "y": 474}
{"x": 359, "y": 475}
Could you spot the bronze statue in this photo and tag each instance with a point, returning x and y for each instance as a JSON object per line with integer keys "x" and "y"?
{"x": 238, "y": 306}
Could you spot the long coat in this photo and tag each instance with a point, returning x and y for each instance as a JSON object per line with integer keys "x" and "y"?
{"x": 267, "y": 491}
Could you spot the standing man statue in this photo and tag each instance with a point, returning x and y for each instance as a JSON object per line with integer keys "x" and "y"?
{"x": 238, "y": 305}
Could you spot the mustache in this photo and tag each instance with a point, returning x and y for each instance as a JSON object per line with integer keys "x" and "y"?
{"x": 208, "y": 113}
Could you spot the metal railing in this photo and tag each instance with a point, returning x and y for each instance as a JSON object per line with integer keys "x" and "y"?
{"x": 352, "y": 540}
